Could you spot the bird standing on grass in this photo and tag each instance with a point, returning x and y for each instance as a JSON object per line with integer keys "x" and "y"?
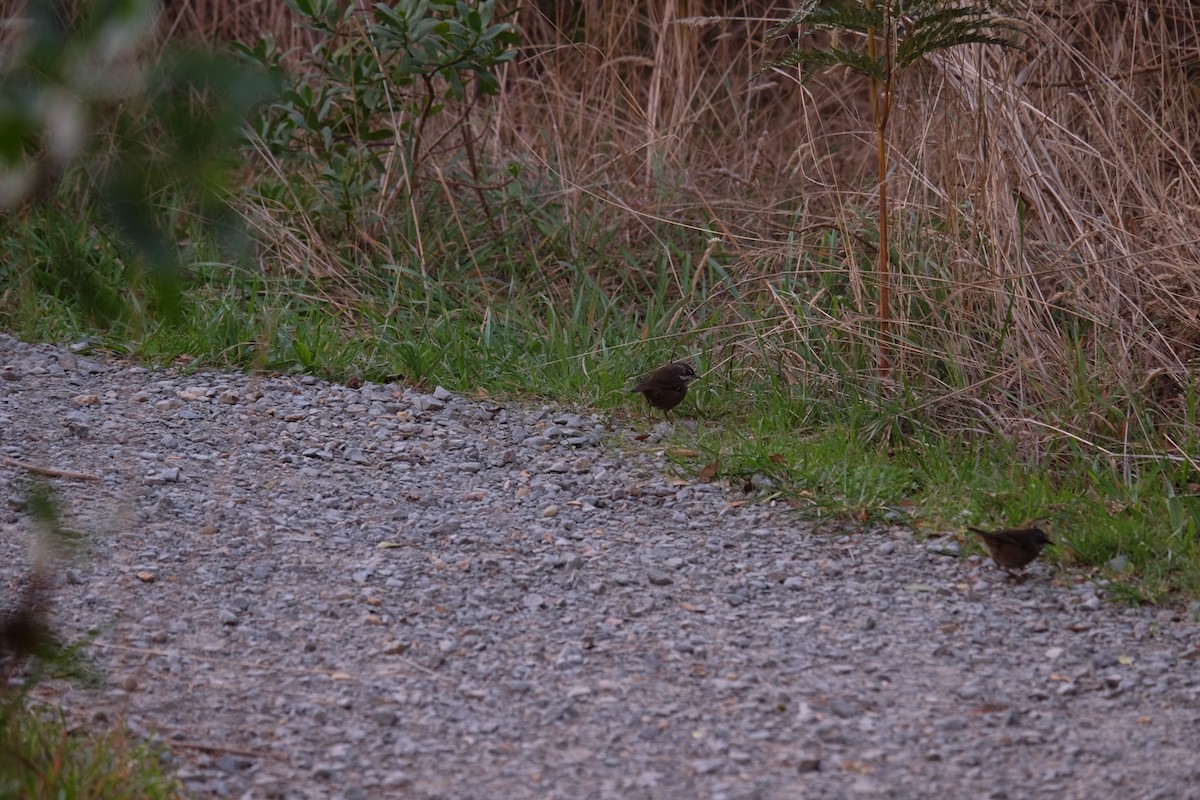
{"x": 1013, "y": 548}
{"x": 666, "y": 387}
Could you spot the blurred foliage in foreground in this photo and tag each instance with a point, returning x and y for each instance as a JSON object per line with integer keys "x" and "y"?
{"x": 143, "y": 146}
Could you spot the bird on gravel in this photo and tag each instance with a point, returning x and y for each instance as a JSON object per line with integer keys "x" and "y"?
{"x": 1013, "y": 548}
{"x": 666, "y": 387}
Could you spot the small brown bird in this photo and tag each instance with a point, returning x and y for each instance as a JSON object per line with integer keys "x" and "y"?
{"x": 1013, "y": 548}
{"x": 666, "y": 387}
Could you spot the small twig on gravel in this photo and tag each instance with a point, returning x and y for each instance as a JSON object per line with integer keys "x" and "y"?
{"x": 51, "y": 471}
{"x": 333, "y": 674}
{"x": 216, "y": 748}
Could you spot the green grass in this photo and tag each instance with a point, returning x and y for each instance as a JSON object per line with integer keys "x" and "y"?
{"x": 829, "y": 441}
{"x": 1141, "y": 535}
{"x": 796, "y": 403}
{"x": 573, "y": 335}
{"x": 41, "y": 755}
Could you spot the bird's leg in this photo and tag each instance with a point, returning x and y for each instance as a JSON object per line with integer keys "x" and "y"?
{"x": 1015, "y": 577}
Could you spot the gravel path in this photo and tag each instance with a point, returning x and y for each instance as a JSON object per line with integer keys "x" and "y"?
{"x": 308, "y": 590}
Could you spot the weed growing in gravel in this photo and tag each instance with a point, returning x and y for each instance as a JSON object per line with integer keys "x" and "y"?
{"x": 41, "y": 753}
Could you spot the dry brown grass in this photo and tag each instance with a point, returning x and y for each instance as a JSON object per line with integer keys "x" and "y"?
{"x": 1050, "y": 194}
{"x": 1047, "y": 200}
{"x": 1094, "y": 133}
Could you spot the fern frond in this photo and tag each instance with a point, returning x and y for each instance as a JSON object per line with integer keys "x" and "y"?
{"x": 921, "y": 27}
{"x": 797, "y": 18}
{"x": 811, "y": 62}
{"x": 953, "y": 26}
{"x": 846, "y": 17}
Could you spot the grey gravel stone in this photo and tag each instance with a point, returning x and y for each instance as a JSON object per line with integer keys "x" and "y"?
{"x": 361, "y": 593}
{"x": 761, "y": 483}
{"x": 808, "y": 762}
{"x": 658, "y": 578}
